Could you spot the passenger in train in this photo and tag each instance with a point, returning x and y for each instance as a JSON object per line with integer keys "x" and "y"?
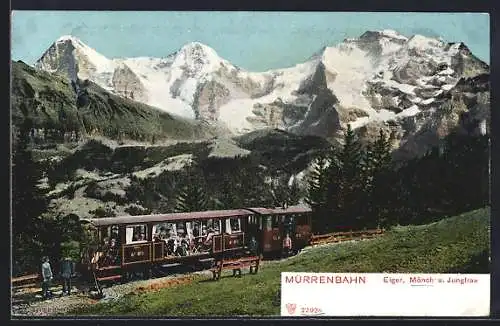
{"x": 253, "y": 246}
{"x": 190, "y": 241}
{"x": 196, "y": 230}
{"x": 105, "y": 243}
{"x": 207, "y": 243}
{"x": 102, "y": 256}
{"x": 114, "y": 252}
{"x": 163, "y": 233}
{"x": 183, "y": 245}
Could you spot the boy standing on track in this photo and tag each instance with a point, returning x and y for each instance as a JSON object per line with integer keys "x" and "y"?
{"x": 47, "y": 277}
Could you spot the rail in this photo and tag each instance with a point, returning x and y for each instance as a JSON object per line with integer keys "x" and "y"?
{"x": 345, "y": 236}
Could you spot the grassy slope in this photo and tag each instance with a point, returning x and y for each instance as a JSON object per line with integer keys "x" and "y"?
{"x": 450, "y": 245}
{"x": 107, "y": 113}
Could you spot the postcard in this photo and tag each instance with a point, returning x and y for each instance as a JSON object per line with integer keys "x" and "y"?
{"x": 228, "y": 164}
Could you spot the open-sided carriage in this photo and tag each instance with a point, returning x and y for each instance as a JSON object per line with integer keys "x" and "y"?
{"x": 131, "y": 244}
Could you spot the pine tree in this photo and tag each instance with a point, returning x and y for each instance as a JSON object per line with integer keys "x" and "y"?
{"x": 192, "y": 197}
{"x": 28, "y": 201}
{"x": 351, "y": 183}
{"x": 379, "y": 170}
{"x": 294, "y": 192}
{"x": 230, "y": 195}
{"x": 317, "y": 193}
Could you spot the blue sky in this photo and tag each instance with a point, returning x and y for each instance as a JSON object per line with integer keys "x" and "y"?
{"x": 255, "y": 41}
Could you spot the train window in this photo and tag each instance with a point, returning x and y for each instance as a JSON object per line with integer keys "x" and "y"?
{"x": 235, "y": 224}
{"x": 228, "y": 226}
{"x": 164, "y": 230}
{"x": 105, "y": 235}
{"x": 206, "y": 225}
{"x": 180, "y": 228}
{"x": 189, "y": 230}
{"x": 136, "y": 233}
{"x": 218, "y": 226}
{"x": 196, "y": 225}
{"x": 268, "y": 223}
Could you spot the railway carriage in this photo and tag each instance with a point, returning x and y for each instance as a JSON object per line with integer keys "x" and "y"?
{"x": 142, "y": 243}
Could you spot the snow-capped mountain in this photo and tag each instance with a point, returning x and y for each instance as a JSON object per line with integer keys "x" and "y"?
{"x": 380, "y": 77}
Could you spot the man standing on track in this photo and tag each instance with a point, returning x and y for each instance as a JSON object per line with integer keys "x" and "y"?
{"x": 47, "y": 277}
{"x": 67, "y": 271}
{"x": 287, "y": 245}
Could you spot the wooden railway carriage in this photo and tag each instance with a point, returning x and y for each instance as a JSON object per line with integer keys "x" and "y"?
{"x": 139, "y": 243}
{"x": 272, "y": 225}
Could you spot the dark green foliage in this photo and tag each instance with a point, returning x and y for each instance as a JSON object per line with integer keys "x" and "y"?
{"x": 346, "y": 173}
{"x": 103, "y": 212}
{"x": 193, "y": 195}
{"x": 229, "y": 197}
{"x": 70, "y": 249}
{"x": 450, "y": 179}
{"x": 137, "y": 210}
{"x": 356, "y": 187}
{"x": 40, "y": 235}
{"x": 282, "y": 151}
{"x": 28, "y": 202}
{"x": 283, "y": 193}
{"x": 377, "y": 170}
{"x": 317, "y": 192}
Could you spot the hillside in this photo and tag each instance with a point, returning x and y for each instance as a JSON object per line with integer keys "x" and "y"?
{"x": 49, "y": 102}
{"x": 459, "y": 244}
{"x": 281, "y": 150}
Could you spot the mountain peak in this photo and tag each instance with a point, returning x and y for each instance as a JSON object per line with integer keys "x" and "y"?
{"x": 197, "y": 57}
{"x": 75, "y": 41}
{"x": 387, "y": 33}
{"x": 198, "y": 49}
{"x": 68, "y": 37}
{"x": 70, "y": 56}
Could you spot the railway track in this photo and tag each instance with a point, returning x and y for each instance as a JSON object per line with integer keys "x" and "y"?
{"x": 336, "y": 237}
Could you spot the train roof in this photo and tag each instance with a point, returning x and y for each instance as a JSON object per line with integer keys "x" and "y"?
{"x": 138, "y": 219}
{"x": 280, "y": 211}
{"x": 168, "y": 217}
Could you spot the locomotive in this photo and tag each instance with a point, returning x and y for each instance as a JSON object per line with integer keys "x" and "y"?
{"x": 130, "y": 244}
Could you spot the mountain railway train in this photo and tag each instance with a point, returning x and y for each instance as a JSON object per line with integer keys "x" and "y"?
{"x": 132, "y": 244}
